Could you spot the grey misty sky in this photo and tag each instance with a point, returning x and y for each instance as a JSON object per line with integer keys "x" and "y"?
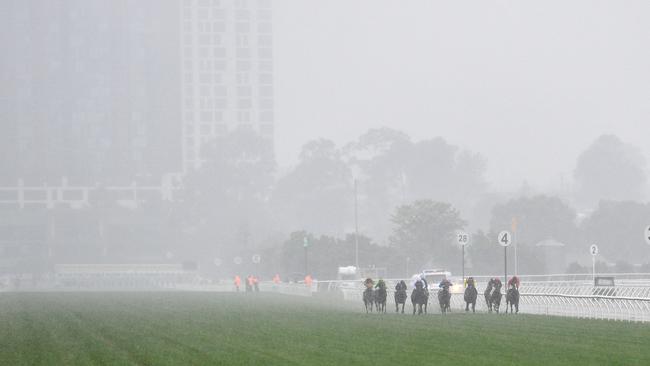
{"x": 529, "y": 84}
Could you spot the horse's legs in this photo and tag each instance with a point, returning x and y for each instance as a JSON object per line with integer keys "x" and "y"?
{"x": 466, "y": 306}
{"x": 474, "y": 307}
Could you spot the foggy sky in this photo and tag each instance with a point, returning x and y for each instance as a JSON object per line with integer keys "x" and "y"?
{"x": 529, "y": 84}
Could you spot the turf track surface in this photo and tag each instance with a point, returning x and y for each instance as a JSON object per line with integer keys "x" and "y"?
{"x": 178, "y": 328}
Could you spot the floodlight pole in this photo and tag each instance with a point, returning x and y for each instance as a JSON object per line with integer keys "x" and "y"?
{"x": 593, "y": 269}
{"x": 463, "y": 266}
{"x": 356, "y": 227}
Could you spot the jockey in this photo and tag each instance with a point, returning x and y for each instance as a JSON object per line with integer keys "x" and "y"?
{"x": 380, "y": 284}
{"x": 514, "y": 281}
{"x": 444, "y": 283}
{"x": 424, "y": 282}
{"x": 420, "y": 279}
{"x": 369, "y": 283}
{"x": 401, "y": 285}
{"x": 470, "y": 281}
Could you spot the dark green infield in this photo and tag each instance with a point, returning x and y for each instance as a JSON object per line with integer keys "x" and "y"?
{"x": 267, "y": 329}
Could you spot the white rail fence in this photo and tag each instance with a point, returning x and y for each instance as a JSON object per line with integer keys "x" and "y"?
{"x": 579, "y": 299}
{"x": 558, "y": 295}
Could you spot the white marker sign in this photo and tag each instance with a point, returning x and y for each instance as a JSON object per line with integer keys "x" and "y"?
{"x": 256, "y": 259}
{"x": 237, "y": 260}
{"x": 217, "y": 262}
{"x": 504, "y": 238}
{"x": 593, "y": 249}
{"x": 646, "y": 235}
{"x": 462, "y": 238}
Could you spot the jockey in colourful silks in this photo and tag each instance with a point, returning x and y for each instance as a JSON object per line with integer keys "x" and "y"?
{"x": 514, "y": 281}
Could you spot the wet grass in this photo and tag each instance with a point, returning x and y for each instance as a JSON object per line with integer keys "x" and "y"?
{"x": 267, "y": 329}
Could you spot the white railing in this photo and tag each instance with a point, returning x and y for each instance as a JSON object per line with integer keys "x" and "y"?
{"x": 569, "y": 298}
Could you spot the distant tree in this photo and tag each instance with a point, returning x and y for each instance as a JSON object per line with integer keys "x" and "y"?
{"x": 395, "y": 170}
{"x": 424, "y": 231}
{"x": 645, "y": 268}
{"x": 622, "y": 266}
{"x": 317, "y": 195}
{"x": 539, "y": 220}
{"x": 575, "y": 267}
{"x": 610, "y": 170}
{"x": 603, "y": 267}
{"x": 379, "y": 157}
{"x": 485, "y": 255}
{"x": 326, "y": 253}
{"x": 224, "y": 206}
{"x": 536, "y": 219}
{"x": 617, "y": 229}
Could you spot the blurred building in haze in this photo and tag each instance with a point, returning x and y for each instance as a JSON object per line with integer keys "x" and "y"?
{"x": 109, "y": 102}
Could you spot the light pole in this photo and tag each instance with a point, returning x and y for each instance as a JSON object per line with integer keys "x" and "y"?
{"x": 462, "y": 238}
{"x": 305, "y": 244}
{"x": 593, "y": 249}
{"x": 356, "y": 227}
{"x": 505, "y": 239}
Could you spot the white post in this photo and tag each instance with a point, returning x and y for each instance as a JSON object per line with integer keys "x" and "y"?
{"x": 593, "y": 269}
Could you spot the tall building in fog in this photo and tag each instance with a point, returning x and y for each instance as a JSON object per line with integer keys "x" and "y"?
{"x": 89, "y": 91}
{"x": 116, "y": 91}
{"x": 102, "y": 102}
{"x": 227, "y": 70}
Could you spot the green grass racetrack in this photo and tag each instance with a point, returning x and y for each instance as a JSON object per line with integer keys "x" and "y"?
{"x": 179, "y": 328}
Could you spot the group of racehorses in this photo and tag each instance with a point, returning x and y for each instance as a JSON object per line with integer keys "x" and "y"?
{"x": 374, "y": 297}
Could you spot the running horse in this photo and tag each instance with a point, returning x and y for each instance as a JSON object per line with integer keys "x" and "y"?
{"x": 400, "y": 295}
{"x": 488, "y": 294}
{"x": 444, "y": 297}
{"x": 496, "y": 295}
{"x": 380, "y": 296}
{"x": 512, "y": 296}
{"x": 419, "y": 298}
{"x": 368, "y": 294}
{"x": 470, "y": 295}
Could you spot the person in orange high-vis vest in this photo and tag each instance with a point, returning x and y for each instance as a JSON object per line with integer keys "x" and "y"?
{"x": 276, "y": 279}
{"x": 237, "y": 282}
{"x": 308, "y": 280}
